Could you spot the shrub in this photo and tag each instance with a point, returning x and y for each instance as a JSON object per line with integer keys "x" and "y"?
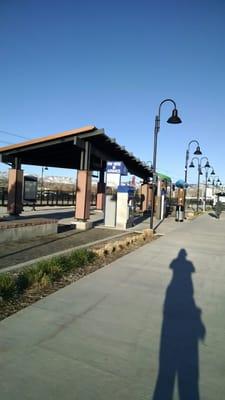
{"x": 79, "y": 258}
{"x": 7, "y": 286}
{"x": 91, "y": 256}
{"x": 44, "y": 273}
{"x": 64, "y": 262}
{"x": 48, "y": 268}
{"x": 44, "y": 281}
{"x": 25, "y": 279}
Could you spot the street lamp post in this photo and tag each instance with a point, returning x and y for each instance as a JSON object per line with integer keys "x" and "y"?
{"x": 197, "y": 152}
{"x": 206, "y": 181}
{"x": 174, "y": 119}
{"x": 149, "y": 164}
{"x": 199, "y": 172}
{"x": 42, "y": 180}
{"x": 215, "y": 185}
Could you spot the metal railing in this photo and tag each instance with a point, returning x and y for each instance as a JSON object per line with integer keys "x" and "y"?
{"x": 48, "y": 198}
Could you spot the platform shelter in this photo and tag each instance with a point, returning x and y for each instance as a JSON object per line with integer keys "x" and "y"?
{"x": 85, "y": 149}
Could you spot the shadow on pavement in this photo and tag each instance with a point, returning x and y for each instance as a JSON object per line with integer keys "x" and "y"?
{"x": 182, "y": 328}
{"x": 138, "y": 219}
{"x": 50, "y": 215}
{"x": 213, "y": 215}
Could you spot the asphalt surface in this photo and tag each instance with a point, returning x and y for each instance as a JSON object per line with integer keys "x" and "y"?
{"x": 13, "y": 253}
{"x": 23, "y": 252}
{"x": 149, "y": 326}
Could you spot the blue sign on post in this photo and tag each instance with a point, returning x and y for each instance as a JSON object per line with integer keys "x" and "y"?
{"x": 116, "y": 167}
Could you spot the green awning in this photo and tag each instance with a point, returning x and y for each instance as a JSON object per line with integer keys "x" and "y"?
{"x": 164, "y": 177}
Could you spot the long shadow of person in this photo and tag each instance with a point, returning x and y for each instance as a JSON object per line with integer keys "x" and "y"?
{"x": 182, "y": 329}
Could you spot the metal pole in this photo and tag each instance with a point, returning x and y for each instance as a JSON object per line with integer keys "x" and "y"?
{"x": 206, "y": 179}
{"x": 199, "y": 169}
{"x": 214, "y": 187}
{"x": 187, "y": 156}
{"x": 42, "y": 173}
{"x": 186, "y": 165}
{"x": 156, "y": 130}
{"x": 185, "y": 178}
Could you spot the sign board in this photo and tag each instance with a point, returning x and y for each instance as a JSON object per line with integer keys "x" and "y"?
{"x": 30, "y": 188}
{"x": 113, "y": 180}
{"x": 116, "y": 167}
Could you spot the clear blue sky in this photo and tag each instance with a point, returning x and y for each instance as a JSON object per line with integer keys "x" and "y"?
{"x": 65, "y": 64}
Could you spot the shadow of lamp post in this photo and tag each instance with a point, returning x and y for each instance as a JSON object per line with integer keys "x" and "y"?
{"x": 174, "y": 119}
{"x": 199, "y": 172}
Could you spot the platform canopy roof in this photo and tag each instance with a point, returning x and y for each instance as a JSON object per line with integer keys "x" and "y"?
{"x": 67, "y": 150}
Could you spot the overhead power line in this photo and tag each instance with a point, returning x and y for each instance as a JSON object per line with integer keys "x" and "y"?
{"x": 13, "y": 134}
{"x": 3, "y": 141}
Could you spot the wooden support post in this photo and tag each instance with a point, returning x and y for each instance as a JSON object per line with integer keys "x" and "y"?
{"x": 15, "y": 191}
{"x": 145, "y": 197}
{"x": 100, "y": 203}
{"x": 83, "y": 195}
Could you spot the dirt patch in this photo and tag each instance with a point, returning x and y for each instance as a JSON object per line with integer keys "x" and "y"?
{"x": 106, "y": 254}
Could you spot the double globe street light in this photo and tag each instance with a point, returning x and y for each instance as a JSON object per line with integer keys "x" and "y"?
{"x": 207, "y": 165}
{"x": 215, "y": 183}
{"x": 174, "y": 119}
{"x": 206, "y": 180}
{"x": 197, "y": 152}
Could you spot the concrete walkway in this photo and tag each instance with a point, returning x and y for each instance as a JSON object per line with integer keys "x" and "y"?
{"x": 100, "y": 337}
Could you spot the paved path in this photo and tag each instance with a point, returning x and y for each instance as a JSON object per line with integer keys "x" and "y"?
{"x": 100, "y": 337}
